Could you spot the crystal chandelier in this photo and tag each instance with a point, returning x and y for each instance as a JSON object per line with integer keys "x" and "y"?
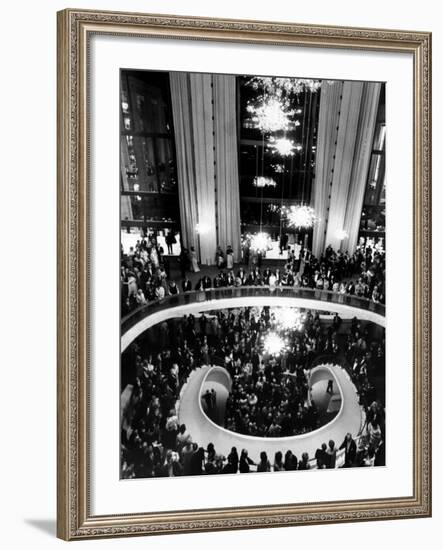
{"x": 288, "y": 318}
{"x": 284, "y": 147}
{"x": 270, "y": 115}
{"x": 301, "y": 216}
{"x": 260, "y": 242}
{"x": 262, "y": 181}
{"x": 283, "y": 85}
{"x": 273, "y": 343}
{"x": 278, "y": 168}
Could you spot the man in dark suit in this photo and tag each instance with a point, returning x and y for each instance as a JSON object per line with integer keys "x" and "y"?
{"x": 350, "y": 448}
{"x": 187, "y": 285}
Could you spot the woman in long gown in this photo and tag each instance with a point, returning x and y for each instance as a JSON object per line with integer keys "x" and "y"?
{"x": 229, "y": 258}
{"x": 193, "y": 260}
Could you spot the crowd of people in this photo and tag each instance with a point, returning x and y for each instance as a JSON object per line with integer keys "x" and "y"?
{"x": 269, "y": 396}
{"x": 145, "y": 273}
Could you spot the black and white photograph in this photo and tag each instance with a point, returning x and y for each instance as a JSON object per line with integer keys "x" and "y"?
{"x": 252, "y": 274}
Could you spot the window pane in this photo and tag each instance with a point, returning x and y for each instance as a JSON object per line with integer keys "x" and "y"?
{"x": 150, "y": 113}
{"x": 165, "y": 165}
{"x": 373, "y": 180}
{"x": 379, "y": 139}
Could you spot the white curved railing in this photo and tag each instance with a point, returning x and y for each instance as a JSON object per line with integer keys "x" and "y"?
{"x": 141, "y": 322}
{"x": 204, "y": 430}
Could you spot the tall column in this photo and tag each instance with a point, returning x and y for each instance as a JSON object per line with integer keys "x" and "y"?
{"x": 330, "y": 101}
{"x": 193, "y": 127}
{"x": 203, "y": 130}
{"x": 344, "y": 158}
{"x": 181, "y": 111}
{"x": 226, "y": 164}
{"x": 363, "y": 149}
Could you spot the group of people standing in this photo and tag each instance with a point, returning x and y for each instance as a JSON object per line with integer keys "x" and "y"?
{"x": 268, "y": 396}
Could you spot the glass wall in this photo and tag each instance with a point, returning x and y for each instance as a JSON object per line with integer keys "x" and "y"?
{"x": 148, "y": 176}
{"x": 373, "y": 216}
{"x": 277, "y": 131}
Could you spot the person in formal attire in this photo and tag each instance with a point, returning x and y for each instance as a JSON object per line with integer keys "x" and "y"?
{"x": 173, "y": 288}
{"x": 183, "y": 260}
{"x": 219, "y": 258}
{"x": 197, "y": 461}
{"x": 264, "y": 465}
{"x": 283, "y": 242}
{"x": 291, "y": 461}
{"x": 170, "y": 241}
{"x": 207, "y": 398}
{"x": 350, "y": 448}
{"x": 140, "y": 298}
{"x": 229, "y": 467}
{"x": 193, "y": 260}
{"x": 186, "y": 285}
{"x": 278, "y": 462}
{"x": 321, "y": 456}
{"x": 245, "y": 462}
{"x": 331, "y": 453}
{"x": 304, "y": 462}
{"x": 229, "y": 257}
{"x": 160, "y": 292}
{"x": 233, "y": 460}
{"x": 374, "y": 433}
{"x": 172, "y": 466}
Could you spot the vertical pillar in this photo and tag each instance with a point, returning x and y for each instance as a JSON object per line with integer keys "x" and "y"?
{"x": 344, "y": 158}
{"x": 330, "y": 102}
{"x": 202, "y": 125}
{"x": 226, "y": 164}
{"x": 363, "y": 149}
{"x": 193, "y": 127}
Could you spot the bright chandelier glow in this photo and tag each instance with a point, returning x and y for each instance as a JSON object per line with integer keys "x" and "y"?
{"x": 288, "y": 318}
{"x": 301, "y": 216}
{"x": 262, "y": 181}
{"x": 284, "y": 147}
{"x": 273, "y": 343}
{"x": 282, "y": 85}
{"x": 260, "y": 242}
{"x": 270, "y": 115}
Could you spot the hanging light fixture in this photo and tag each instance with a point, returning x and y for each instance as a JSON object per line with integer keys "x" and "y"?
{"x": 270, "y": 115}
{"x": 273, "y": 343}
{"x": 262, "y": 181}
{"x": 284, "y": 147}
{"x": 284, "y": 85}
{"x": 288, "y": 318}
{"x": 301, "y": 216}
{"x": 260, "y": 242}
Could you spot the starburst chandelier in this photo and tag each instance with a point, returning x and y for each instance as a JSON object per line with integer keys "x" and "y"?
{"x": 273, "y": 343}
{"x": 262, "y": 181}
{"x": 260, "y": 242}
{"x": 301, "y": 216}
{"x": 288, "y": 318}
{"x": 284, "y": 147}
{"x": 271, "y": 115}
{"x": 283, "y": 85}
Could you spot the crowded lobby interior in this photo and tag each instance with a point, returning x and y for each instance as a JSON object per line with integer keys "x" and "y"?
{"x": 252, "y": 274}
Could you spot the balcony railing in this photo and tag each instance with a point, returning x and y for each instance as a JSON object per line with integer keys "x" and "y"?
{"x": 196, "y": 296}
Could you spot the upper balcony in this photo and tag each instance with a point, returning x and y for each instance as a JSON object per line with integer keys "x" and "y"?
{"x": 215, "y": 298}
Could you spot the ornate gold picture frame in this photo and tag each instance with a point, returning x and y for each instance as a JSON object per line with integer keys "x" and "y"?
{"x": 75, "y": 29}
